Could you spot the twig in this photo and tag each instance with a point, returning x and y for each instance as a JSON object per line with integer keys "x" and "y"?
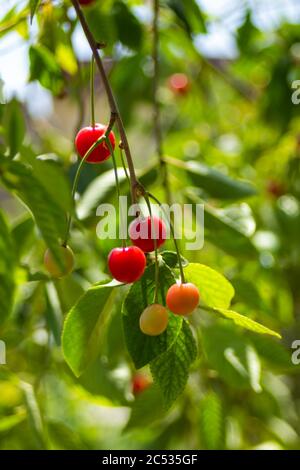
{"x": 134, "y": 183}
{"x": 156, "y": 106}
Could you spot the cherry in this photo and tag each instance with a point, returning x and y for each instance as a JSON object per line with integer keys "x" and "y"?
{"x": 179, "y": 83}
{"x": 127, "y": 264}
{"x": 182, "y": 299}
{"x": 140, "y": 232}
{"x": 275, "y": 188}
{"x": 154, "y": 320}
{"x": 52, "y": 266}
{"x": 87, "y": 136}
{"x": 140, "y": 382}
{"x": 86, "y": 2}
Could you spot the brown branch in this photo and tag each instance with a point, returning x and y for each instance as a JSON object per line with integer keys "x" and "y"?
{"x": 156, "y": 106}
{"x": 115, "y": 114}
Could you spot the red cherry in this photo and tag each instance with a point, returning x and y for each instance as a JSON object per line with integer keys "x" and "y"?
{"x": 85, "y": 2}
{"x": 182, "y": 299}
{"x": 127, "y": 264}
{"x": 275, "y": 188}
{"x": 140, "y": 382}
{"x": 87, "y": 136}
{"x": 140, "y": 233}
{"x": 179, "y": 83}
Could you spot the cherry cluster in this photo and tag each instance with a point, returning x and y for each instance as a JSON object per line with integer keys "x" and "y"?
{"x": 127, "y": 263}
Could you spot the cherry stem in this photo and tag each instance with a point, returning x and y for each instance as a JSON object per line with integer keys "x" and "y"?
{"x": 124, "y": 166}
{"x": 173, "y": 236}
{"x": 92, "y": 90}
{"x": 155, "y": 247}
{"x": 108, "y": 142}
{"x": 75, "y": 183}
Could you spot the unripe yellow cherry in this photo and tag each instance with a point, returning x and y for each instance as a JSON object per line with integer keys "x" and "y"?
{"x": 53, "y": 267}
{"x": 154, "y": 320}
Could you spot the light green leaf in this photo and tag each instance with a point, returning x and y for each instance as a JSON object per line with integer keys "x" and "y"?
{"x": 146, "y": 409}
{"x": 9, "y": 422}
{"x": 34, "y": 414}
{"x": 170, "y": 370}
{"x": 212, "y": 429}
{"x": 49, "y": 217}
{"x": 84, "y": 326}
{"x": 45, "y": 69}
{"x": 227, "y": 352}
{"x": 7, "y": 266}
{"x": 245, "y": 322}
{"x": 15, "y": 127}
{"x": 33, "y": 4}
{"x": 215, "y": 290}
{"x": 22, "y": 234}
{"x": 50, "y": 173}
{"x": 103, "y": 188}
{"x": 141, "y": 347}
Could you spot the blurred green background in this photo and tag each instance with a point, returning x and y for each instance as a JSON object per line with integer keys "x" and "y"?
{"x": 236, "y": 135}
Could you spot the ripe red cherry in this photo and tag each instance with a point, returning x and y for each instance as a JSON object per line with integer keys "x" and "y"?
{"x": 127, "y": 264}
{"x": 179, "y": 83}
{"x": 140, "y": 382}
{"x": 140, "y": 233}
{"x": 154, "y": 320}
{"x": 86, "y": 2}
{"x": 275, "y": 188}
{"x": 182, "y": 299}
{"x": 87, "y": 136}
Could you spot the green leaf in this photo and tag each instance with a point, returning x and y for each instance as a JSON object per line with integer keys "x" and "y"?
{"x": 7, "y": 266}
{"x": 15, "y": 127}
{"x": 22, "y": 235}
{"x": 33, "y": 7}
{"x": 273, "y": 352}
{"x": 101, "y": 25}
{"x": 245, "y": 322}
{"x": 129, "y": 29}
{"x": 171, "y": 260}
{"x": 217, "y": 184}
{"x": 34, "y": 414}
{"x": 223, "y": 233}
{"x": 143, "y": 348}
{"x": 53, "y": 312}
{"x": 84, "y": 325}
{"x": 189, "y": 14}
{"x": 170, "y": 370}
{"x": 9, "y": 422}
{"x": 215, "y": 290}
{"x": 212, "y": 429}
{"x": 146, "y": 409}
{"x": 51, "y": 175}
{"x": 231, "y": 356}
{"x": 103, "y": 188}
{"x": 49, "y": 217}
{"x": 45, "y": 69}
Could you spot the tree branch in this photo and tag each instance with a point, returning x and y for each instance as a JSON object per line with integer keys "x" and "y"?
{"x": 156, "y": 106}
{"x": 115, "y": 114}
